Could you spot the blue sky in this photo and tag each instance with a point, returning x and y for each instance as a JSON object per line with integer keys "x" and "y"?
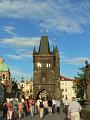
{"x": 66, "y": 22}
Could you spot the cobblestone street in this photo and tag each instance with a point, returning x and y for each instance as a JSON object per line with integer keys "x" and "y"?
{"x": 55, "y": 116}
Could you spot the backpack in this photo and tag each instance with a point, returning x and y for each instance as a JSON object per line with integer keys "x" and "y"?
{"x": 32, "y": 103}
{"x": 5, "y": 108}
{"x": 41, "y": 104}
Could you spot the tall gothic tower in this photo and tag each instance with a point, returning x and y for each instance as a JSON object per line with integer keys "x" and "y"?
{"x": 46, "y": 70}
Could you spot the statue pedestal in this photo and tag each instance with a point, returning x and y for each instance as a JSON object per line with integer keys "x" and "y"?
{"x": 88, "y": 98}
{"x": 86, "y": 110}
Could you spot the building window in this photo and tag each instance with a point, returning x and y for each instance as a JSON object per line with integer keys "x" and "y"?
{"x": 0, "y": 78}
{"x": 3, "y": 76}
{"x": 65, "y": 89}
{"x": 27, "y": 91}
{"x": 62, "y": 83}
{"x": 30, "y": 90}
{"x": 62, "y": 96}
{"x": 65, "y": 83}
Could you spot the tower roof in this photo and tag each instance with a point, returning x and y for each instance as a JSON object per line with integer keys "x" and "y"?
{"x": 3, "y": 66}
{"x": 44, "y": 47}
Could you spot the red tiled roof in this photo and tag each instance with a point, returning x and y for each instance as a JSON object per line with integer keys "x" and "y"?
{"x": 62, "y": 78}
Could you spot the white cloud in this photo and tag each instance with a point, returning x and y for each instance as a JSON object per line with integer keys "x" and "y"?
{"x": 17, "y": 74}
{"x": 21, "y": 41}
{"x": 13, "y": 56}
{"x": 68, "y": 16}
{"x": 9, "y": 29}
{"x": 74, "y": 61}
{"x": 21, "y": 55}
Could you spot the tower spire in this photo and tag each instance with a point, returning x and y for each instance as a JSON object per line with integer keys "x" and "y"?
{"x": 44, "y": 45}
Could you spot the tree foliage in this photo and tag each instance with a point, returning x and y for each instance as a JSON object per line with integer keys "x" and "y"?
{"x": 80, "y": 86}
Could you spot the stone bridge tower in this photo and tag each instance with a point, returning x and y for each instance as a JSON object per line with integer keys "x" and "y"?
{"x": 46, "y": 70}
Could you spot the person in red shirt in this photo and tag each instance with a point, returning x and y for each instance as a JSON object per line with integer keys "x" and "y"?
{"x": 9, "y": 110}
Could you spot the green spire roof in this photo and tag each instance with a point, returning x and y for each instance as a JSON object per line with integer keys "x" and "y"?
{"x": 3, "y": 66}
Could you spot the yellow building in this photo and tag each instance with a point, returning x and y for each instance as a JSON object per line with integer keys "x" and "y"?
{"x": 66, "y": 87}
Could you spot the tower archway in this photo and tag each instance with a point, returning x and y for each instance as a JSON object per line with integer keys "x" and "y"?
{"x": 43, "y": 94}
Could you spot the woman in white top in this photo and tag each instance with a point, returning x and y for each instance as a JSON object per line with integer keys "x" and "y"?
{"x": 74, "y": 110}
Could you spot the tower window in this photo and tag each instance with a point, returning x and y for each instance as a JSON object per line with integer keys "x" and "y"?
{"x": 39, "y": 65}
{"x": 48, "y": 65}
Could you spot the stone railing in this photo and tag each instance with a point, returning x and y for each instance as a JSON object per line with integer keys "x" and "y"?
{"x": 85, "y": 114}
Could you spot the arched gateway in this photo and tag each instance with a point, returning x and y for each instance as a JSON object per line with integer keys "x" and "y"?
{"x": 46, "y": 70}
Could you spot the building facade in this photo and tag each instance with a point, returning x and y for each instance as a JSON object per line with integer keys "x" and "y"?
{"x": 46, "y": 71}
{"x": 27, "y": 88}
{"x": 67, "y": 88}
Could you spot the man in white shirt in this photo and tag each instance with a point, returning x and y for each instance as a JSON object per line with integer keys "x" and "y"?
{"x": 66, "y": 104}
{"x": 74, "y": 110}
{"x": 58, "y": 106}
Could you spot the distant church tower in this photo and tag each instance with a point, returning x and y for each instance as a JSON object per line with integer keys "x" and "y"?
{"x": 46, "y": 70}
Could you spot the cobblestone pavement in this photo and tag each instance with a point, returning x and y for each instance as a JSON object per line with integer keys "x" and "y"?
{"x": 55, "y": 116}
{"x": 60, "y": 116}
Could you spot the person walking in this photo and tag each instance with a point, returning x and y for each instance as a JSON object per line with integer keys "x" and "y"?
{"x": 53, "y": 105}
{"x": 41, "y": 109}
{"x": 50, "y": 106}
{"x": 4, "y": 108}
{"x": 46, "y": 107}
{"x": 9, "y": 109}
{"x": 58, "y": 103}
{"x": 74, "y": 110}
{"x": 31, "y": 104}
{"x": 66, "y": 105}
{"x": 20, "y": 108}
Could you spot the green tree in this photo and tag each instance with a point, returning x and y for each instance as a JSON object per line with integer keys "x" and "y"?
{"x": 80, "y": 86}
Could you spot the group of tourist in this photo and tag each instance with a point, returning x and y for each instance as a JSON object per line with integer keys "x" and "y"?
{"x": 17, "y": 108}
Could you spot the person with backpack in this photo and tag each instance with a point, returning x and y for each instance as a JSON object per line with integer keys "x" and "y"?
{"x": 50, "y": 106}
{"x": 31, "y": 104}
{"x": 4, "y": 108}
{"x": 20, "y": 109}
{"x": 9, "y": 109}
{"x": 41, "y": 109}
